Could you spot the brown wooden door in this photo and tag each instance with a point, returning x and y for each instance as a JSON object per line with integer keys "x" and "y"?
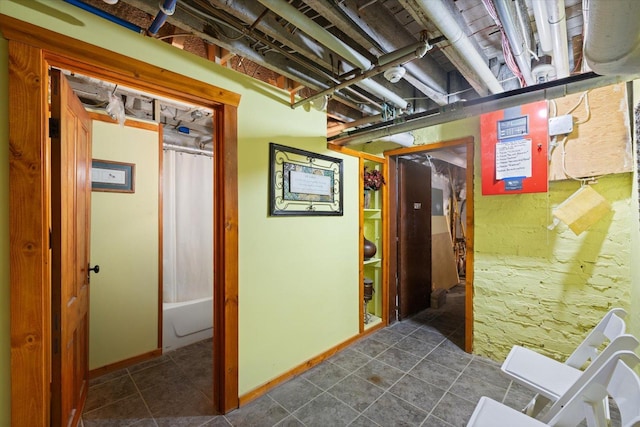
{"x": 414, "y": 237}
{"x": 70, "y": 131}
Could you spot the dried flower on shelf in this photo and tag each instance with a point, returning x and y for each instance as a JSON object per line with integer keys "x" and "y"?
{"x": 373, "y": 179}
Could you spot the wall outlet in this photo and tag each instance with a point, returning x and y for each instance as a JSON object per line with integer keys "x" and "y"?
{"x": 561, "y": 125}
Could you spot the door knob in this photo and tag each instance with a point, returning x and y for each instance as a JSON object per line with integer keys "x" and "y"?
{"x": 95, "y": 269}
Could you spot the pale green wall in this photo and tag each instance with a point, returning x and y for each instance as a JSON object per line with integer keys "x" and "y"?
{"x": 298, "y": 276}
{"x": 124, "y": 242}
{"x": 5, "y": 344}
{"x": 537, "y": 287}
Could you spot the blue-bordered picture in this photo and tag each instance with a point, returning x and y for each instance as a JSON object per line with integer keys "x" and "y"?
{"x": 111, "y": 176}
{"x": 304, "y": 183}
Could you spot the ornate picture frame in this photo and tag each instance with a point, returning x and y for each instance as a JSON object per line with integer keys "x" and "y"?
{"x": 303, "y": 183}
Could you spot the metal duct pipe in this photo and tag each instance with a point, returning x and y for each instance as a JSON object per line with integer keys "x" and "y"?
{"x": 440, "y": 15}
{"x": 301, "y": 21}
{"x": 515, "y": 40}
{"x": 558, "y": 25}
{"x": 551, "y": 90}
{"x": 611, "y": 46}
{"x": 542, "y": 24}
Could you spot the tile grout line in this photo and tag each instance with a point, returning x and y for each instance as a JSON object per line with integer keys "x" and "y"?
{"x": 146, "y": 405}
{"x": 448, "y": 389}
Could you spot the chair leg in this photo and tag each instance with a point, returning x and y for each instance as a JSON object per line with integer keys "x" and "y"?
{"x": 535, "y": 406}
{"x": 597, "y": 414}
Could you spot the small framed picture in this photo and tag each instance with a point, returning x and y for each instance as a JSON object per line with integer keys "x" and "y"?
{"x": 116, "y": 177}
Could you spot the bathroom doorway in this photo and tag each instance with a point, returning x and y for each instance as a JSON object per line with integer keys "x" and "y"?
{"x": 32, "y": 51}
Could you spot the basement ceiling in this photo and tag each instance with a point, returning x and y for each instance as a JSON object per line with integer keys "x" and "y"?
{"x": 418, "y": 55}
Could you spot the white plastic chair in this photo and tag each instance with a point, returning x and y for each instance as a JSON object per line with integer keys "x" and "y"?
{"x": 550, "y": 378}
{"x": 582, "y": 401}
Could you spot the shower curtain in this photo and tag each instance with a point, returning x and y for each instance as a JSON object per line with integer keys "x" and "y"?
{"x": 188, "y": 226}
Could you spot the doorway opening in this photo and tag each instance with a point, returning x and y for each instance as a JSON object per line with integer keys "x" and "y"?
{"x": 32, "y": 50}
{"x": 431, "y": 223}
{"x": 169, "y": 210}
{"x": 128, "y": 126}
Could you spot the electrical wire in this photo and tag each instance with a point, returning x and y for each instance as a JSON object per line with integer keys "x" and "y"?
{"x": 506, "y": 48}
{"x": 174, "y": 35}
{"x": 584, "y": 97}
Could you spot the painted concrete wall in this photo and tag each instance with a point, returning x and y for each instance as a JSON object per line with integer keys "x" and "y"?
{"x": 544, "y": 288}
{"x": 124, "y": 242}
{"x": 5, "y": 343}
{"x": 298, "y": 276}
{"x": 634, "y": 226}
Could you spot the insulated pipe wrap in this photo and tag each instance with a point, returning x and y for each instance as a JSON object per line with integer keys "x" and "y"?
{"x": 613, "y": 40}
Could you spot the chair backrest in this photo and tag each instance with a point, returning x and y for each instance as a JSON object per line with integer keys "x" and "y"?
{"x": 624, "y": 388}
{"x": 621, "y": 345}
{"x": 611, "y": 326}
{"x": 615, "y": 378}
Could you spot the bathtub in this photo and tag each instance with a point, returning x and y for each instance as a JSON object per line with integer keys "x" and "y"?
{"x": 184, "y": 323}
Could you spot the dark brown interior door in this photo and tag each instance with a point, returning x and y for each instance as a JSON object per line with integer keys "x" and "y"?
{"x": 414, "y": 237}
{"x": 70, "y": 215}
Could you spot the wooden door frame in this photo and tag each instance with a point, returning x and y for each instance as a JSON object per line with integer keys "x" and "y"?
{"x": 392, "y": 221}
{"x": 32, "y": 50}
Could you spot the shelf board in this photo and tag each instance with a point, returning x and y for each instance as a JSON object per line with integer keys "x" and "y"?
{"x": 372, "y": 214}
{"x": 371, "y": 261}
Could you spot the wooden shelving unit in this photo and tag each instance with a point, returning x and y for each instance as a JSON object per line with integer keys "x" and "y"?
{"x": 373, "y": 268}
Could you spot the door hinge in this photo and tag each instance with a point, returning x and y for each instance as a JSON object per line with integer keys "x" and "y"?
{"x": 54, "y": 128}
{"x": 50, "y": 239}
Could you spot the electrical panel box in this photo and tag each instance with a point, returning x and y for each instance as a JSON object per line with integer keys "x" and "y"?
{"x": 561, "y": 125}
{"x": 514, "y": 147}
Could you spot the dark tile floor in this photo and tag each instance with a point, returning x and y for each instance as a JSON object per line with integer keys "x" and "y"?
{"x": 412, "y": 373}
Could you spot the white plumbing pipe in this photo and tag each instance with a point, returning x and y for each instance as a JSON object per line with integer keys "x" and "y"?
{"x": 324, "y": 37}
{"x": 405, "y": 139}
{"x": 542, "y": 24}
{"x": 440, "y": 15}
{"x": 383, "y": 92}
{"x": 611, "y": 46}
{"x": 516, "y": 41}
{"x": 558, "y": 25}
